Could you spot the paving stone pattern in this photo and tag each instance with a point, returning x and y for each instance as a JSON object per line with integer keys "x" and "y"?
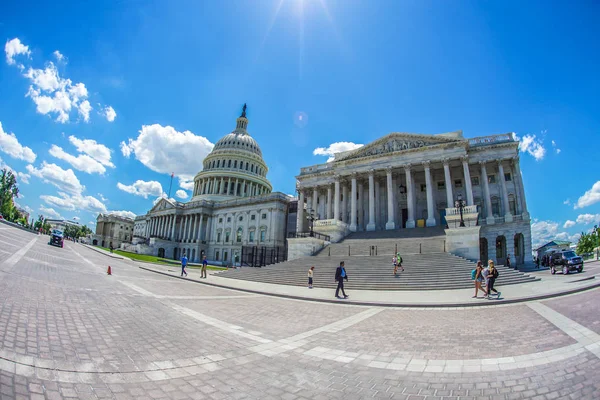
{"x": 69, "y": 331}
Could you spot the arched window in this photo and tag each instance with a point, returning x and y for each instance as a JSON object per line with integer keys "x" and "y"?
{"x": 263, "y": 235}
{"x": 252, "y": 168}
{"x": 235, "y": 164}
{"x": 229, "y": 164}
{"x": 247, "y": 166}
{"x": 241, "y": 165}
{"x": 218, "y": 163}
{"x": 238, "y": 236}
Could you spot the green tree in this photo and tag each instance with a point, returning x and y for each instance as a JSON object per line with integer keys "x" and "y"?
{"x": 8, "y": 191}
{"x": 589, "y": 241}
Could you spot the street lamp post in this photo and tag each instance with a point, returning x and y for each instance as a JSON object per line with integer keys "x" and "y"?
{"x": 460, "y": 204}
{"x": 311, "y": 216}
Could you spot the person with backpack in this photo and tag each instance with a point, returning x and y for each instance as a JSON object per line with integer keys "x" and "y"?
{"x": 395, "y": 262}
{"x": 340, "y": 275}
{"x": 492, "y": 276}
{"x": 399, "y": 262}
{"x": 477, "y": 277}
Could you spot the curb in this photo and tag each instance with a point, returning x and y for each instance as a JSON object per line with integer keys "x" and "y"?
{"x": 389, "y": 305}
{"x": 103, "y": 253}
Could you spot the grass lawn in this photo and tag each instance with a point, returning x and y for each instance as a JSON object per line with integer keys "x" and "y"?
{"x": 157, "y": 260}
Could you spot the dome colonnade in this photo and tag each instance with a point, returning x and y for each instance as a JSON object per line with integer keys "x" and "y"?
{"x": 234, "y": 168}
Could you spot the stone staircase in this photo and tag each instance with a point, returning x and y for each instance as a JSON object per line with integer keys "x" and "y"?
{"x": 427, "y": 265}
{"x": 405, "y": 241}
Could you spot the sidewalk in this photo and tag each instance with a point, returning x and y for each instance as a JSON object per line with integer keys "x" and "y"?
{"x": 550, "y": 286}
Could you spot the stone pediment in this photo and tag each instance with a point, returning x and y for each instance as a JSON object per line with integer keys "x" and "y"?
{"x": 163, "y": 204}
{"x": 397, "y": 142}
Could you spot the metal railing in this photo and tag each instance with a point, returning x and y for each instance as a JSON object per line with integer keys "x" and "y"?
{"x": 315, "y": 235}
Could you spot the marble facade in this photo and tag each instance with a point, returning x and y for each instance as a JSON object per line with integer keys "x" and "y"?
{"x": 406, "y": 181}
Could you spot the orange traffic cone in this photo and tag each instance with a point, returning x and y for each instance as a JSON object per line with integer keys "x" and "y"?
{"x": 109, "y": 271}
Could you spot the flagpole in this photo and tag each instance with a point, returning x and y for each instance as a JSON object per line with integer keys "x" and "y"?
{"x": 171, "y": 184}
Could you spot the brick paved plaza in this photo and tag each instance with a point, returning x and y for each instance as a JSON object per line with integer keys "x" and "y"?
{"x": 67, "y": 330}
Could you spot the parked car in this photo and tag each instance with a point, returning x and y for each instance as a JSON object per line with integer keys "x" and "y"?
{"x": 1, "y": 217}
{"x": 57, "y": 238}
{"x": 565, "y": 261}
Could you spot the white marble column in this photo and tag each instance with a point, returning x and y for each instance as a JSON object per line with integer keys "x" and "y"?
{"x": 486, "y": 193}
{"x": 360, "y": 206}
{"x": 315, "y": 202}
{"x": 390, "y": 200}
{"x": 448, "y": 179}
{"x": 336, "y": 200}
{"x": 345, "y": 202}
{"x": 329, "y": 209}
{"x": 371, "y": 224}
{"x": 300, "y": 220}
{"x": 467, "y": 177}
{"x": 507, "y": 214}
{"x": 180, "y": 229}
{"x": 518, "y": 178}
{"x": 430, "y": 206}
{"x": 185, "y": 225}
{"x": 353, "y": 204}
{"x": 410, "y": 195}
{"x": 173, "y": 227}
{"x": 377, "y": 205}
{"x": 194, "y": 226}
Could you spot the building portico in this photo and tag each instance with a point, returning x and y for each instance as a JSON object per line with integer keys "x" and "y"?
{"x": 408, "y": 181}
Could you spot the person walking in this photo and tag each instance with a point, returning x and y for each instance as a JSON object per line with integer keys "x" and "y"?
{"x": 508, "y": 260}
{"x": 203, "y": 270}
{"x": 399, "y": 261}
{"x": 340, "y": 275}
{"x": 537, "y": 263}
{"x": 478, "y": 278}
{"x": 184, "y": 262}
{"x": 395, "y": 262}
{"x": 310, "y": 277}
{"x": 492, "y": 276}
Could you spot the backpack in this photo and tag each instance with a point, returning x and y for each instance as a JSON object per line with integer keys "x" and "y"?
{"x": 473, "y": 274}
{"x": 496, "y": 273}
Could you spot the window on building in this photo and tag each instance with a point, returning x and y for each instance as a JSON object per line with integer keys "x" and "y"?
{"x": 228, "y": 219}
{"x": 220, "y": 220}
{"x": 264, "y": 216}
{"x": 263, "y": 234}
{"x": 512, "y": 204}
{"x": 229, "y": 164}
{"x": 217, "y": 255}
{"x": 507, "y": 177}
{"x": 226, "y": 237}
{"x": 458, "y": 183}
{"x": 235, "y": 164}
{"x": 253, "y": 217}
{"x": 241, "y": 218}
{"x": 475, "y": 180}
{"x": 238, "y": 236}
{"x": 218, "y": 237}
{"x": 247, "y": 166}
{"x": 491, "y": 178}
{"x": 225, "y": 256}
{"x": 252, "y": 168}
{"x": 423, "y": 187}
{"x": 251, "y": 238}
{"x": 495, "y": 206}
{"x": 441, "y": 185}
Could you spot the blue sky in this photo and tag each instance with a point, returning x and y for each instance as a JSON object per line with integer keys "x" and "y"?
{"x": 151, "y": 85}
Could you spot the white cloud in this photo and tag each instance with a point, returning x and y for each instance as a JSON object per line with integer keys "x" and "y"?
{"x": 82, "y": 162}
{"x": 530, "y": 144}
{"x": 187, "y": 184}
{"x": 333, "y": 148}
{"x": 590, "y": 197}
{"x": 63, "y": 179}
{"x": 59, "y": 104}
{"x": 569, "y": 224}
{"x": 92, "y": 223}
{"x": 587, "y": 219}
{"x": 97, "y": 151}
{"x": 142, "y": 188}
{"x": 181, "y": 194}
{"x": 75, "y": 202}
{"x": 14, "y": 48}
{"x": 555, "y": 147}
{"x": 567, "y": 202}
{"x": 163, "y": 149}
{"x": 22, "y": 177}
{"x": 84, "y": 110}
{"x": 49, "y": 212}
{"x": 126, "y": 214}
{"x": 10, "y": 145}
{"x": 109, "y": 113}
{"x": 543, "y": 232}
{"x": 59, "y": 56}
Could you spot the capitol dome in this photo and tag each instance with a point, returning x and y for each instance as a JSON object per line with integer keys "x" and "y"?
{"x": 234, "y": 168}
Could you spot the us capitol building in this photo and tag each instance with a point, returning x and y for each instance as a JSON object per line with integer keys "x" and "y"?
{"x": 233, "y": 207}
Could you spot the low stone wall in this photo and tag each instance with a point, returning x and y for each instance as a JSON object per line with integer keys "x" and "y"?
{"x": 304, "y": 247}
{"x": 463, "y": 242}
{"x": 336, "y": 230}
{"x": 3, "y": 221}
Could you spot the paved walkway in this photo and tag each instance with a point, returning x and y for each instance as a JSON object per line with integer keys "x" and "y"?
{"x": 69, "y": 331}
{"x": 549, "y": 286}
